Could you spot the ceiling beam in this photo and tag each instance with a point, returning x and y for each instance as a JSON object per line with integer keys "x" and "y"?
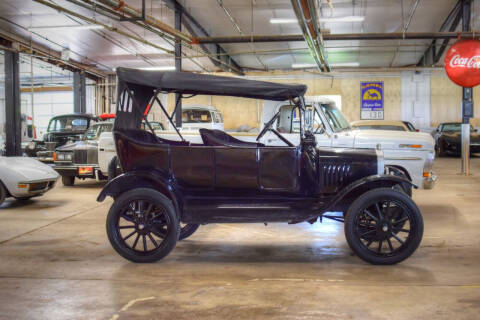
{"x": 339, "y": 36}
{"x": 223, "y": 60}
{"x": 433, "y": 54}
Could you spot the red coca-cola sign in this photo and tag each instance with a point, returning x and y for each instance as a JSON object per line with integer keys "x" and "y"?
{"x": 462, "y": 63}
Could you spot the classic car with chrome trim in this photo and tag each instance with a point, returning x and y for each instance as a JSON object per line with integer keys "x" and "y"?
{"x": 61, "y": 130}
{"x": 23, "y": 178}
{"x": 167, "y": 183}
{"x": 448, "y": 139}
{"x": 80, "y": 159}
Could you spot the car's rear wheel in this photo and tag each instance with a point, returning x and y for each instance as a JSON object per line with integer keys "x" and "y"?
{"x": 186, "y": 230}
{"x": 383, "y": 226}
{"x": 142, "y": 225}
{"x": 68, "y": 181}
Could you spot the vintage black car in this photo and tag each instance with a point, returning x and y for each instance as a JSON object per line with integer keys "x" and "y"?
{"x": 61, "y": 130}
{"x": 80, "y": 159}
{"x": 167, "y": 183}
{"x": 448, "y": 139}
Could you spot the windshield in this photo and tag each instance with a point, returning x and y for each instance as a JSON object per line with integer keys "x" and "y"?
{"x": 96, "y": 130}
{"x": 455, "y": 127}
{"x": 65, "y": 124}
{"x": 335, "y": 117}
{"x": 196, "y": 116}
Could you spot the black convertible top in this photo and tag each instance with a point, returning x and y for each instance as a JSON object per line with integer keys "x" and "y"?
{"x": 193, "y": 83}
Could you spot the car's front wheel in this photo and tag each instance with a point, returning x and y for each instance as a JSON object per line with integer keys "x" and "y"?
{"x": 383, "y": 226}
{"x": 142, "y": 225}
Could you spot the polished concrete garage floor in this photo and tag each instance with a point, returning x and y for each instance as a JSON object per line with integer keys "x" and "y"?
{"x": 56, "y": 263}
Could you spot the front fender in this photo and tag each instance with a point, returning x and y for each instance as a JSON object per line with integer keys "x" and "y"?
{"x": 142, "y": 179}
{"x": 367, "y": 183}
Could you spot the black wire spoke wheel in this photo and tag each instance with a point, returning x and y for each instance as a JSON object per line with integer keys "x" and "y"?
{"x": 142, "y": 227}
{"x": 383, "y": 226}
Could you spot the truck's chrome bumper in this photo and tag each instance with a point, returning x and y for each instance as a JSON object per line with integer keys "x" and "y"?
{"x": 429, "y": 183}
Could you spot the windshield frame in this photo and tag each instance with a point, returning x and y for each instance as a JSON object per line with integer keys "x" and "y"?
{"x": 325, "y": 117}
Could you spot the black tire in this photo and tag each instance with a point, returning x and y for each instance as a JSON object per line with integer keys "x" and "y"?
{"x": 68, "y": 181}
{"x": 187, "y": 230}
{"x": 361, "y": 228}
{"x": 440, "y": 148}
{"x": 150, "y": 216}
{"x": 113, "y": 169}
{"x": 3, "y": 193}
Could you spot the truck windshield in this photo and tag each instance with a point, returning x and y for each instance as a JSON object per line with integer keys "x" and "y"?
{"x": 63, "y": 124}
{"x": 335, "y": 118}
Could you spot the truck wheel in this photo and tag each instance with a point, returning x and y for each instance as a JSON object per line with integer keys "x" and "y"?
{"x": 187, "y": 230}
{"x": 113, "y": 170}
{"x": 3, "y": 193}
{"x": 142, "y": 225}
{"x": 375, "y": 235}
{"x": 68, "y": 181}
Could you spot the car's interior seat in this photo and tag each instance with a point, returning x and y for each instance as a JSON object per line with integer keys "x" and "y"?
{"x": 142, "y": 136}
{"x": 220, "y": 138}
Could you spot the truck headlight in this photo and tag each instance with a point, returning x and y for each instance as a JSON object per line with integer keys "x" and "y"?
{"x": 60, "y": 156}
{"x": 428, "y": 166}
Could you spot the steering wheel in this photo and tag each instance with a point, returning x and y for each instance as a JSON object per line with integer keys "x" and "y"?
{"x": 268, "y": 126}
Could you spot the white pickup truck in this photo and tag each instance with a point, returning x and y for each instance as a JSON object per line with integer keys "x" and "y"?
{"x": 410, "y": 153}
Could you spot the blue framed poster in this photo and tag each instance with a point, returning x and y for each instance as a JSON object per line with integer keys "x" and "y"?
{"x": 371, "y": 97}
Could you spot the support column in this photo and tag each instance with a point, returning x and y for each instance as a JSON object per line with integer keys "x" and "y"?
{"x": 178, "y": 63}
{"x": 467, "y": 99}
{"x": 79, "y": 92}
{"x": 13, "y": 121}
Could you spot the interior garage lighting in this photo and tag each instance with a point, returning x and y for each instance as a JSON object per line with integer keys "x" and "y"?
{"x": 338, "y": 64}
{"x": 76, "y": 27}
{"x": 326, "y": 20}
{"x": 162, "y": 68}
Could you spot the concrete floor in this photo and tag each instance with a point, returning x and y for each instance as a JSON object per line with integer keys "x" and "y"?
{"x": 56, "y": 263}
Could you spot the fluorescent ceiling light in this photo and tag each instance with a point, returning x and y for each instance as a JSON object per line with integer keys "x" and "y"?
{"x": 281, "y": 20}
{"x": 76, "y": 27}
{"x": 162, "y": 68}
{"x": 334, "y": 65}
{"x": 323, "y": 19}
{"x": 343, "y": 19}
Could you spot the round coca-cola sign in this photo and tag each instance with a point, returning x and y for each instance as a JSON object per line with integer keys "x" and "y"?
{"x": 462, "y": 63}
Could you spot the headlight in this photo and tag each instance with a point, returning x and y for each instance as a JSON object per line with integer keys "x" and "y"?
{"x": 68, "y": 156}
{"x": 31, "y": 145}
{"x": 60, "y": 156}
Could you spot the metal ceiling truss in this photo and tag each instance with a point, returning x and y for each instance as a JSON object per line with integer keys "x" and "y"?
{"x": 433, "y": 54}
{"x": 306, "y": 12}
{"x": 223, "y": 60}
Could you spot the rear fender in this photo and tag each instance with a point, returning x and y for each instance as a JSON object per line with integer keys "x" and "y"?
{"x": 142, "y": 179}
{"x": 355, "y": 189}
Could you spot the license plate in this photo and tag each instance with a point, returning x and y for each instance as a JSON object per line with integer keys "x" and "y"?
{"x": 85, "y": 170}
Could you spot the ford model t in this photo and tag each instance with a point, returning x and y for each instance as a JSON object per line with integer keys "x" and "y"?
{"x": 169, "y": 188}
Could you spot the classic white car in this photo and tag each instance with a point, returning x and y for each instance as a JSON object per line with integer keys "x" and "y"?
{"x": 23, "y": 178}
{"x": 410, "y": 153}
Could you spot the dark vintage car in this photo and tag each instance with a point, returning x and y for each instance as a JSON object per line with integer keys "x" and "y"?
{"x": 80, "y": 159}
{"x": 448, "y": 139}
{"x": 60, "y": 131}
{"x": 169, "y": 188}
